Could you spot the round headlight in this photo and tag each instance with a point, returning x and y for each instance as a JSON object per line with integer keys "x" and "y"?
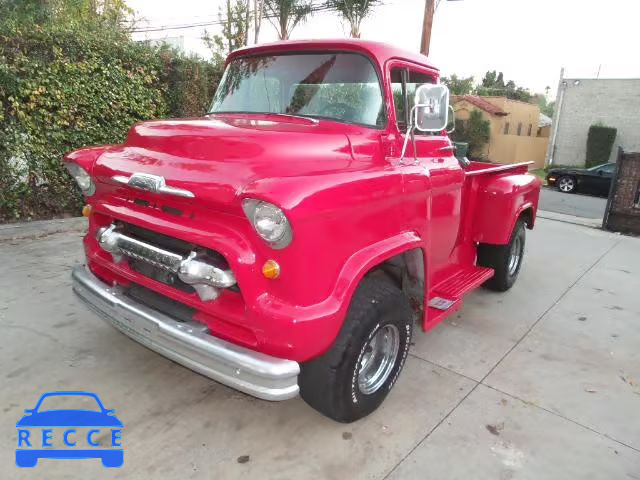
{"x": 269, "y": 221}
{"x": 82, "y": 178}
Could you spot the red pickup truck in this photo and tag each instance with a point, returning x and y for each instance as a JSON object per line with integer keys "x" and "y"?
{"x": 288, "y": 241}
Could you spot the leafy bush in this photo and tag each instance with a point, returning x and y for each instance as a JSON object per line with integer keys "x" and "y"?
{"x": 63, "y": 87}
{"x": 599, "y": 144}
{"x": 476, "y": 132}
{"x": 189, "y": 83}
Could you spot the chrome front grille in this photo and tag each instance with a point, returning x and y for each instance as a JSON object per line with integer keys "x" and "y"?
{"x": 205, "y": 271}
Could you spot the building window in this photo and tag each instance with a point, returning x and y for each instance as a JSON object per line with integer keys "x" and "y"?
{"x": 506, "y": 128}
{"x": 637, "y": 201}
{"x": 530, "y": 128}
{"x": 520, "y": 129}
{"x": 539, "y": 132}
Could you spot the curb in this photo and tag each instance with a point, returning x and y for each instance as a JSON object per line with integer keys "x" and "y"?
{"x": 562, "y": 217}
{"x": 41, "y": 228}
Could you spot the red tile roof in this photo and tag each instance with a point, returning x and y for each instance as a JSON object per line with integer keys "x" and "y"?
{"x": 481, "y": 103}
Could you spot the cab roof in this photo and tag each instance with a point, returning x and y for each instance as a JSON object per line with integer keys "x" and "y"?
{"x": 379, "y": 52}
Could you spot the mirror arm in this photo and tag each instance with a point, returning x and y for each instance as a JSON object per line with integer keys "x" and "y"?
{"x": 409, "y": 134}
{"x": 453, "y": 118}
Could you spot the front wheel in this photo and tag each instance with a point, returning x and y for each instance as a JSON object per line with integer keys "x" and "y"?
{"x": 353, "y": 378}
{"x": 567, "y": 184}
{"x": 505, "y": 260}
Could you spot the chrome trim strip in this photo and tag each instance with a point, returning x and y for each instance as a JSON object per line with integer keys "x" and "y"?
{"x": 151, "y": 183}
{"x": 448, "y": 148}
{"x": 189, "y": 344}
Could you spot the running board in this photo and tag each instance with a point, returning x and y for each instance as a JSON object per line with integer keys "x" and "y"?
{"x": 446, "y": 297}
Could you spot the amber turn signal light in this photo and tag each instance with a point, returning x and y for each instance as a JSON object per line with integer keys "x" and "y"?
{"x": 86, "y": 211}
{"x": 271, "y": 269}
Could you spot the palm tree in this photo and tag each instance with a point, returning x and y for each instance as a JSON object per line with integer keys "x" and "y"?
{"x": 353, "y": 11}
{"x": 286, "y": 14}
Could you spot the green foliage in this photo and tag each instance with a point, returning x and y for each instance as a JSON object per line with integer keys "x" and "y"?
{"x": 284, "y": 15}
{"x": 476, "y": 132}
{"x": 546, "y": 107}
{"x": 235, "y": 28}
{"x": 459, "y": 86}
{"x": 493, "y": 84}
{"x": 64, "y": 87}
{"x": 353, "y": 11}
{"x": 599, "y": 144}
{"x": 111, "y": 13}
{"x": 188, "y": 83}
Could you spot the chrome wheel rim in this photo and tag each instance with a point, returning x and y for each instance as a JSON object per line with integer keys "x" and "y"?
{"x": 378, "y": 359}
{"x": 566, "y": 184}
{"x": 515, "y": 255}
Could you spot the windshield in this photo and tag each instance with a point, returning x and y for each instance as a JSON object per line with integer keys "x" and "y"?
{"x": 337, "y": 86}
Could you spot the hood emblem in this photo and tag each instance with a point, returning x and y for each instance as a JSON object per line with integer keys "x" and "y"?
{"x": 151, "y": 183}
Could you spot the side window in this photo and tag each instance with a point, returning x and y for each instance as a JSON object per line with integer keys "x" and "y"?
{"x": 607, "y": 170}
{"x": 404, "y": 100}
{"x": 399, "y": 98}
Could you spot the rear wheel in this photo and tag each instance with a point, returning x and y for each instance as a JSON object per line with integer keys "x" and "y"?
{"x": 506, "y": 260}
{"x": 353, "y": 378}
{"x": 567, "y": 184}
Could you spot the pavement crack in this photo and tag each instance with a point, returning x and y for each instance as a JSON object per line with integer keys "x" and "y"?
{"x": 559, "y": 415}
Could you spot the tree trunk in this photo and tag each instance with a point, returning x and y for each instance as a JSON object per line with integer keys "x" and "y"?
{"x": 247, "y": 17}
{"x": 284, "y": 34}
{"x": 258, "y": 7}
{"x": 228, "y": 26}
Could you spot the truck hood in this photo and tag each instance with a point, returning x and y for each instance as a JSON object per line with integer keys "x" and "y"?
{"x": 218, "y": 158}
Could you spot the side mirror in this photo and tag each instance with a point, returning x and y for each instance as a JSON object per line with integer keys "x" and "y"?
{"x": 431, "y": 110}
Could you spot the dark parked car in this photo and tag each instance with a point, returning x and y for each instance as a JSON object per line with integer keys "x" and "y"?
{"x": 595, "y": 179}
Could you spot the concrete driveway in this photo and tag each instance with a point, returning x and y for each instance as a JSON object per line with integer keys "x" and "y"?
{"x": 578, "y": 204}
{"x": 542, "y": 382}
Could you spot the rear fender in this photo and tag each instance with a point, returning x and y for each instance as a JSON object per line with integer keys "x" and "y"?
{"x": 500, "y": 202}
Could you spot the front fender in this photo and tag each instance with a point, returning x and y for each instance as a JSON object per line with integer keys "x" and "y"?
{"x": 500, "y": 202}
{"x": 315, "y": 327}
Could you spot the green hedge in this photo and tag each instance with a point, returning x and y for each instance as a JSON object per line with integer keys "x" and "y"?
{"x": 599, "y": 144}
{"x": 62, "y": 88}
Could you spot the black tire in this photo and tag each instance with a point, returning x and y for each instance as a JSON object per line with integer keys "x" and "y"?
{"x": 569, "y": 181}
{"x": 329, "y": 383}
{"x": 499, "y": 257}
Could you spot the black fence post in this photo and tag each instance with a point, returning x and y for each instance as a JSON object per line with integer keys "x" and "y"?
{"x": 612, "y": 189}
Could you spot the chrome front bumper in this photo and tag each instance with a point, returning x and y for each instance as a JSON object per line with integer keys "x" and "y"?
{"x": 189, "y": 344}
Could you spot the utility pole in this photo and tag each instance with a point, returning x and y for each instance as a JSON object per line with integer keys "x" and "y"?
{"x": 427, "y": 25}
{"x": 430, "y": 7}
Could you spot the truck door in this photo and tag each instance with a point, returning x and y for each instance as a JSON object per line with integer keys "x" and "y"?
{"x": 433, "y": 174}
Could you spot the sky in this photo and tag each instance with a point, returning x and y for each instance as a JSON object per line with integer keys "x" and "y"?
{"x": 528, "y": 40}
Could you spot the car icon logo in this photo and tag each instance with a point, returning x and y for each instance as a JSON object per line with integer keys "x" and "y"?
{"x": 84, "y": 432}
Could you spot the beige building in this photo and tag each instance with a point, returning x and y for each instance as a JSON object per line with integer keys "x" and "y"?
{"x": 519, "y": 133}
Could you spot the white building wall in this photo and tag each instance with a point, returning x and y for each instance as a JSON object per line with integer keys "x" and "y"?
{"x": 614, "y": 102}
